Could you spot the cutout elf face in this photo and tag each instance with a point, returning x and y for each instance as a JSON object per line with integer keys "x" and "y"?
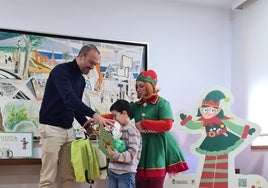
{"x": 209, "y": 109}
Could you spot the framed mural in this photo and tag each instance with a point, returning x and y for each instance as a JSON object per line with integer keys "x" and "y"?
{"x": 26, "y": 59}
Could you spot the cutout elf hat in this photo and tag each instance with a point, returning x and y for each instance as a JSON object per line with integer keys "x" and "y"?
{"x": 213, "y": 99}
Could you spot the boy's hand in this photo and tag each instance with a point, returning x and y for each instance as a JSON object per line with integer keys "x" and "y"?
{"x": 109, "y": 149}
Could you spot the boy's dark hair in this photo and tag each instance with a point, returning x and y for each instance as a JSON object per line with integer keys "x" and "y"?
{"x": 120, "y": 106}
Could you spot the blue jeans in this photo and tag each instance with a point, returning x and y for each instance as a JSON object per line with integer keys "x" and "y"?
{"x": 126, "y": 180}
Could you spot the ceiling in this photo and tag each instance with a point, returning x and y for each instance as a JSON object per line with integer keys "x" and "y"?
{"x": 216, "y": 3}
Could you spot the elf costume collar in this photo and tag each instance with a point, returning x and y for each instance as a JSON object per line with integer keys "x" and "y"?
{"x": 152, "y": 99}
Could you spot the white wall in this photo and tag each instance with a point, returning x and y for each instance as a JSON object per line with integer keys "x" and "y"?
{"x": 184, "y": 40}
{"x": 250, "y": 70}
{"x": 255, "y": 56}
{"x": 189, "y": 46}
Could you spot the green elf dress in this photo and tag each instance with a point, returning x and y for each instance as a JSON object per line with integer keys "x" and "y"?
{"x": 222, "y": 135}
{"x": 161, "y": 153}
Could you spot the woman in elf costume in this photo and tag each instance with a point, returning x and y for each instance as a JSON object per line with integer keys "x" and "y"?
{"x": 160, "y": 151}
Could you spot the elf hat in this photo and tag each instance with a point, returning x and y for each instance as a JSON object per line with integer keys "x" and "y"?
{"x": 148, "y": 76}
{"x": 213, "y": 99}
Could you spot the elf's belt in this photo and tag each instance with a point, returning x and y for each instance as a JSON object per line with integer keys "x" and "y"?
{"x": 217, "y": 132}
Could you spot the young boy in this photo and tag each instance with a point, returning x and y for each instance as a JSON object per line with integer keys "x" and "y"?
{"x": 122, "y": 166}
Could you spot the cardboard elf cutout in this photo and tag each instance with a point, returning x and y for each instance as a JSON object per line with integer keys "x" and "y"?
{"x": 223, "y": 136}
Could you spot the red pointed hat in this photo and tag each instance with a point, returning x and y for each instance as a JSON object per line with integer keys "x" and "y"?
{"x": 148, "y": 76}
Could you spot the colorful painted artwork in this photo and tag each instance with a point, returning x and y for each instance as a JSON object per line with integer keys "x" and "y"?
{"x": 26, "y": 59}
{"x": 223, "y": 135}
{"x": 20, "y": 115}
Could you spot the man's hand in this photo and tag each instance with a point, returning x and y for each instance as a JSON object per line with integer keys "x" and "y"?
{"x": 102, "y": 121}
